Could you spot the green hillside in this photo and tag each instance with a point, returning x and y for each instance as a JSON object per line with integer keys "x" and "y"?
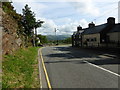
{"x": 58, "y": 37}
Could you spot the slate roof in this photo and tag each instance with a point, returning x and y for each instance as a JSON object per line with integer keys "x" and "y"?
{"x": 116, "y": 28}
{"x": 95, "y": 29}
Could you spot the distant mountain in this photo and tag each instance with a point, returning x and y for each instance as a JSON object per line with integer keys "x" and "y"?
{"x": 58, "y": 37}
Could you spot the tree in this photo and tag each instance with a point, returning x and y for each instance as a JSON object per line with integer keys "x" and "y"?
{"x": 67, "y": 40}
{"x": 37, "y": 25}
{"x": 29, "y": 22}
{"x": 42, "y": 38}
{"x": 9, "y": 9}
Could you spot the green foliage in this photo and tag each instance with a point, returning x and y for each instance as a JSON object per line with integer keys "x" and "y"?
{"x": 57, "y": 37}
{"x": 42, "y": 38}
{"x": 68, "y": 40}
{"x": 37, "y": 25}
{"x": 30, "y": 24}
{"x": 60, "y": 42}
{"x": 28, "y": 21}
{"x": 9, "y": 9}
{"x": 19, "y": 70}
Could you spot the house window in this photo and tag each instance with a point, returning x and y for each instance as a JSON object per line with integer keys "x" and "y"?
{"x": 88, "y": 40}
{"x": 95, "y": 39}
{"x": 92, "y": 39}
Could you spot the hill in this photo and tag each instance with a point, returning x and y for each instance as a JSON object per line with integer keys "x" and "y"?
{"x": 58, "y": 37}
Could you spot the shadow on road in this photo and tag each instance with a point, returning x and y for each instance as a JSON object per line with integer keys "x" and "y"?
{"x": 66, "y": 61}
{"x": 78, "y": 55}
{"x": 105, "y": 62}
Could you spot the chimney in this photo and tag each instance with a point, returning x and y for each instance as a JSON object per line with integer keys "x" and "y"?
{"x": 111, "y": 20}
{"x": 119, "y": 12}
{"x": 79, "y": 28}
{"x": 91, "y": 25}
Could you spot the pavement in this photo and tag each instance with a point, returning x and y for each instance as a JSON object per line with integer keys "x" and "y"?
{"x": 69, "y": 67}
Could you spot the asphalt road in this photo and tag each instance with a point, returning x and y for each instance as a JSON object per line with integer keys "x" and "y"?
{"x": 70, "y": 67}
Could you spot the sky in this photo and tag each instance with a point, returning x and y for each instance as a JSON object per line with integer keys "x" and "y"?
{"x": 66, "y": 15}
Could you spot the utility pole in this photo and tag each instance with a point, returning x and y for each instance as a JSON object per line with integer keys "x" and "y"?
{"x": 34, "y": 38}
{"x": 56, "y": 36}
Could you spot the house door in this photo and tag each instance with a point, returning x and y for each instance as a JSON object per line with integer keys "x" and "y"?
{"x": 107, "y": 38}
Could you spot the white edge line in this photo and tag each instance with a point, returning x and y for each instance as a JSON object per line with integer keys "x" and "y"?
{"x": 103, "y": 69}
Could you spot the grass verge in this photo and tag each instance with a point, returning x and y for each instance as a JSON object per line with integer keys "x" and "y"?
{"x": 20, "y": 70}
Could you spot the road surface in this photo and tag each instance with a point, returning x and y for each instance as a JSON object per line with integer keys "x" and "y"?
{"x": 69, "y": 67}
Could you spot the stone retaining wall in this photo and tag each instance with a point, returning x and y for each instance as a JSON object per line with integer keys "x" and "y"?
{"x": 10, "y": 40}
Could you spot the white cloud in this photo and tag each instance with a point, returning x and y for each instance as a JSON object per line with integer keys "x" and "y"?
{"x": 49, "y": 26}
{"x": 83, "y": 23}
{"x": 105, "y": 1}
{"x": 71, "y": 27}
{"x": 85, "y": 7}
{"x": 59, "y": 0}
{"x": 65, "y": 20}
{"x": 37, "y": 8}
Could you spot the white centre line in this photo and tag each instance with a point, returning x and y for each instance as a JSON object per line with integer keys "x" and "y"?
{"x": 102, "y": 68}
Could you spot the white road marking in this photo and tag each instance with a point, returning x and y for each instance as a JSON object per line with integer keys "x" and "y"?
{"x": 95, "y": 65}
{"x": 70, "y": 55}
{"x": 102, "y": 68}
{"x": 110, "y": 55}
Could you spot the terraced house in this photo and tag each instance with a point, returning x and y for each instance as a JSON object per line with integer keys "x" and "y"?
{"x": 107, "y": 34}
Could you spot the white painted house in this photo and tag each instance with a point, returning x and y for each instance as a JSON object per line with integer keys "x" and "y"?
{"x": 107, "y": 34}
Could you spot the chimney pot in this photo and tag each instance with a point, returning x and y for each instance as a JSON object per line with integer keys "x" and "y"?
{"x": 111, "y": 20}
{"x": 91, "y": 25}
{"x": 79, "y": 28}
